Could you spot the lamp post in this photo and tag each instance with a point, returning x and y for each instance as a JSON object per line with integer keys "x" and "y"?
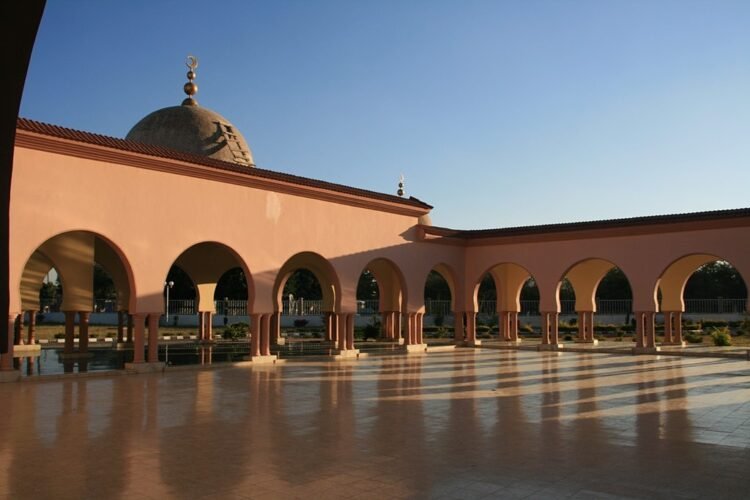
{"x": 167, "y": 285}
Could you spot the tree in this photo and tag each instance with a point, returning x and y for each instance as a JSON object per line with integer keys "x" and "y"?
{"x": 716, "y": 279}
{"x": 367, "y": 287}
{"x": 436, "y": 288}
{"x": 104, "y": 287}
{"x": 232, "y": 285}
{"x": 303, "y": 284}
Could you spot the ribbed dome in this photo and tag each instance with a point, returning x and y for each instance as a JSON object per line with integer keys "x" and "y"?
{"x": 193, "y": 129}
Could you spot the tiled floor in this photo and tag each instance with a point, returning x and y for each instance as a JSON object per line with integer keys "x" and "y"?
{"x": 474, "y": 424}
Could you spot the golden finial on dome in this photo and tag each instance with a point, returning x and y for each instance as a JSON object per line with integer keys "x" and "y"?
{"x": 191, "y": 88}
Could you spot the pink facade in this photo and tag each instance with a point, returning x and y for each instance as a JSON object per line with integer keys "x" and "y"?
{"x": 138, "y": 210}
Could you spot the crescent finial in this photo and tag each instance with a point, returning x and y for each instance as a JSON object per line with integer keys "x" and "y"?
{"x": 192, "y": 62}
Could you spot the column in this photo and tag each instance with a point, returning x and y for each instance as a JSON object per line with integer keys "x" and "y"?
{"x": 139, "y": 320}
{"x": 201, "y": 329}
{"x": 130, "y": 328}
{"x": 120, "y": 326}
{"x": 153, "y": 337}
{"x": 6, "y": 359}
{"x": 650, "y": 328}
{"x": 645, "y": 331}
{"x": 341, "y": 331}
{"x": 667, "y": 327}
{"x": 331, "y": 327}
{"x": 420, "y": 328}
{"x": 677, "y": 327}
{"x": 471, "y": 328}
{"x": 70, "y": 324}
{"x": 349, "y": 331}
{"x": 592, "y": 328}
{"x": 554, "y": 324}
{"x": 255, "y": 320}
{"x": 31, "y": 337}
{"x": 83, "y": 331}
{"x": 458, "y": 326}
{"x": 398, "y": 326}
{"x": 386, "y": 321}
{"x": 513, "y": 321}
{"x": 673, "y": 328}
{"x": 18, "y": 329}
{"x": 208, "y": 326}
{"x": 265, "y": 326}
{"x": 275, "y": 328}
{"x": 586, "y": 327}
{"x": 550, "y": 332}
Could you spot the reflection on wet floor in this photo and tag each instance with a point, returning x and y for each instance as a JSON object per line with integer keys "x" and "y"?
{"x": 52, "y": 361}
{"x": 467, "y": 424}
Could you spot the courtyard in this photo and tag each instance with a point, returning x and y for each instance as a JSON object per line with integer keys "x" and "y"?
{"x": 472, "y": 423}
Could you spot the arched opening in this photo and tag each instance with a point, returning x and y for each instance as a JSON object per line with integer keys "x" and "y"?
{"x": 441, "y": 321}
{"x": 306, "y": 291}
{"x": 72, "y": 288}
{"x": 594, "y": 288}
{"x": 207, "y": 286}
{"x": 380, "y": 299}
{"x": 506, "y": 296}
{"x": 704, "y": 294}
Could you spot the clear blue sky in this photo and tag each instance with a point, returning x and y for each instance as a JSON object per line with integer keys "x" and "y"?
{"x": 499, "y": 113}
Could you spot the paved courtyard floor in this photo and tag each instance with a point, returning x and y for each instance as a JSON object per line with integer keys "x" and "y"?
{"x": 469, "y": 424}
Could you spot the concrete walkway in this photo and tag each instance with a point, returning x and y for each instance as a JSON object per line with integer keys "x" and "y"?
{"x": 474, "y": 423}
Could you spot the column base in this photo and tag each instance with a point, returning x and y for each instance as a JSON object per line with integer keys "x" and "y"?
{"x": 415, "y": 348}
{"x": 75, "y": 355}
{"x": 10, "y": 376}
{"x": 400, "y": 341}
{"x": 587, "y": 341}
{"x": 27, "y": 348}
{"x": 646, "y": 350}
{"x": 124, "y": 345}
{"x": 281, "y": 341}
{"x": 145, "y": 367}
{"x": 511, "y": 342}
{"x": 675, "y": 344}
{"x": 348, "y": 354}
{"x": 471, "y": 343}
{"x": 549, "y": 347}
{"x": 270, "y": 359}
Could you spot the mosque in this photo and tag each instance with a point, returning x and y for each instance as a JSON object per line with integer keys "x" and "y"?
{"x": 282, "y": 223}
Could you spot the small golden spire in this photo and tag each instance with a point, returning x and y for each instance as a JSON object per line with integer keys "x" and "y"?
{"x": 191, "y": 88}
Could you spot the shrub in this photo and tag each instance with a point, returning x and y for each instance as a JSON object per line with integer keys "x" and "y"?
{"x": 694, "y": 338}
{"x": 715, "y": 323}
{"x": 568, "y": 338}
{"x": 60, "y": 335}
{"x": 235, "y": 331}
{"x": 484, "y": 329}
{"x": 438, "y": 320}
{"x": 300, "y": 322}
{"x": 372, "y": 329}
{"x": 527, "y": 328}
{"x": 721, "y": 336}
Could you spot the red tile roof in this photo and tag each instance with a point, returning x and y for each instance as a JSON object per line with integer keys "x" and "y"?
{"x": 161, "y": 152}
{"x": 587, "y": 225}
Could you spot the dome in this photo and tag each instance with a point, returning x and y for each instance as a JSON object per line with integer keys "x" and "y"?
{"x": 192, "y": 129}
